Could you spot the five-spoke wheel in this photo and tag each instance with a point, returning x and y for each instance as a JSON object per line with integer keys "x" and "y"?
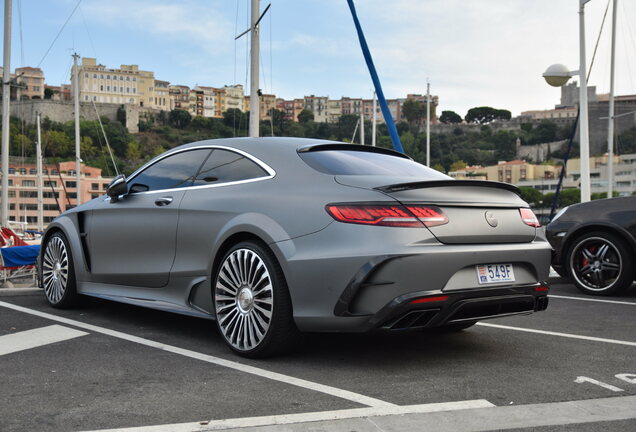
{"x": 600, "y": 263}
{"x": 252, "y": 305}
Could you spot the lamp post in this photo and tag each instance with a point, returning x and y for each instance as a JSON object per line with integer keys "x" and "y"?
{"x": 558, "y": 75}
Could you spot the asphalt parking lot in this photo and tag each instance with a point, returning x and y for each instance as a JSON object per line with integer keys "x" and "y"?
{"x": 112, "y": 366}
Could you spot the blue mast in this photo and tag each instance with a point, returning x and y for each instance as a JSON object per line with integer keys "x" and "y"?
{"x": 395, "y": 138}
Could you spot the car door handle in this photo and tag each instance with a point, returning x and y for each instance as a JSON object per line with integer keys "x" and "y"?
{"x": 163, "y": 201}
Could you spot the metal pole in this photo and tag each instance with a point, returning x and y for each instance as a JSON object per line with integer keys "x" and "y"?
{"x": 610, "y": 125}
{"x": 6, "y": 97}
{"x": 77, "y": 128}
{"x": 254, "y": 71}
{"x": 362, "y": 124}
{"x": 374, "y": 121}
{"x": 584, "y": 132}
{"x": 428, "y": 124}
{"x": 39, "y": 169}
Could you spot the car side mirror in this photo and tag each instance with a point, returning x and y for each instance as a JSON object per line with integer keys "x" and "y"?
{"x": 117, "y": 187}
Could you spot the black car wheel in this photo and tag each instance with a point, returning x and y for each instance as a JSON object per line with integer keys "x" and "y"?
{"x": 252, "y": 303}
{"x": 600, "y": 263}
{"x": 58, "y": 274}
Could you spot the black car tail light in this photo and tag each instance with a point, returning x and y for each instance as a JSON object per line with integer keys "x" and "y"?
{"x": 411, "y": 216}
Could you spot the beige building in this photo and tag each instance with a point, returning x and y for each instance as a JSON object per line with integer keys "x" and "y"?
{"x": 162, "y": 95}
{"x": 179, "y": 97}
{"x": 318, "y": 106}
{"x": 267, "y": 104}
{"x": 59, "y": 191}
{"x": 126, "y": 85}
{"x": 559, "y": 113}
{"x": 509, "y": 172}
{"x": 334, "y": 110}
{"x": 26, "y": 83}
{"x": 233, "y": 98}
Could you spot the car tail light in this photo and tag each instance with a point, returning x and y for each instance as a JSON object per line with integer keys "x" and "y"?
{"x": 542, "y": 288}
{"x": 411, "y": 216}
{"x": 528, "y": 217}
{"x": 429, "y": 299}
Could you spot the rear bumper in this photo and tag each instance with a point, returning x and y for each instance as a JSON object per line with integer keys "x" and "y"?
{"x": 460, "y": 306}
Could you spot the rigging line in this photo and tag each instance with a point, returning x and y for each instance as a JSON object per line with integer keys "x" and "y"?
{"x": 630, "y": 31}
{"x": 598, "y": 39}
{"x": 88, "y": 33}
{"x": 271, "y": 72}
{"x": 235, "y": 62}
{"x": 21, "y": 39}
{"x": 60, "y": 32}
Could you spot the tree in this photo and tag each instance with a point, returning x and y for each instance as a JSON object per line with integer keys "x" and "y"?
{"x": 121, "y": 115}
{"x": 485, "y": 114}
{"x": 450, "y": 117}
{"x": 531, "y": 195}
{"x": 414, "y": 111}
{"x": 439, "y": 167}
{"x": 179, "y": 118}
{"x": 458, "y": 165}
{"x": 48, "y": 93}
{"x": 57, "y": 143}
{"x": 305, "y": 116}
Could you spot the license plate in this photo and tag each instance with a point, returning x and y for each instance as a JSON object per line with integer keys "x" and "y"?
{"x": 495, "y": 273}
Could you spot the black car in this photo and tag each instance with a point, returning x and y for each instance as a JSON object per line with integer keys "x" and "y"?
{"x": 594, "y": 244}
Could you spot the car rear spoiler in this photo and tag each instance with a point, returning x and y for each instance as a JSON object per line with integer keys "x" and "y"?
{"x": 445, "y": 183}
{"x": 350, "y": 147}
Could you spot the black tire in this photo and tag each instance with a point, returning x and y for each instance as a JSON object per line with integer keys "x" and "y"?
{"x": 455, "y": 327}
{"x": 249, "y": 289}
{"x": 600, "y": 263}
{"x": 58, "y": 273}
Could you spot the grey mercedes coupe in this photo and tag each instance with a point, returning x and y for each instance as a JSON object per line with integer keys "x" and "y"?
{"x": 271, "y": 237}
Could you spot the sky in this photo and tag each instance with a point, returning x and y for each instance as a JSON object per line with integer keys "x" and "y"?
{"x": 473, "y": 52}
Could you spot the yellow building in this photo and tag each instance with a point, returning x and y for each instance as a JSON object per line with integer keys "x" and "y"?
{"x": 267, "y": 104}
{"x": 127, "y": 85}
{"x": 162, "y": 95}
{"x": 509, "y": 172}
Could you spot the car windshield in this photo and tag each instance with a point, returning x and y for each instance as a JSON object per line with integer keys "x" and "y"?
{"x": 348, "y": 162}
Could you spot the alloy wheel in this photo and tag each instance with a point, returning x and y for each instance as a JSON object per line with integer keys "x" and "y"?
{"x": 596, "y": 264}
{"x": 244, "y": 299}
{"x": 55, "y": 269}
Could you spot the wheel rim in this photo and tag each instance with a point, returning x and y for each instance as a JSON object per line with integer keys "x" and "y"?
{"x": 596, "y": 263}
{"x": 244, "y": 299}
{"x": 55, "y": 269}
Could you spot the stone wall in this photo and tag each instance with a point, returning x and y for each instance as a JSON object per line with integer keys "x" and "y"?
{"x": 62, "y": 111}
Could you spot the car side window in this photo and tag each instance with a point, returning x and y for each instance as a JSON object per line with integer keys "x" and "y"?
{"x": 176, "y": 171}
{"x": 225, "y": 166}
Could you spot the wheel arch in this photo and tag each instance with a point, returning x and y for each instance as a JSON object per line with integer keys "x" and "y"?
{"x": 67, "y": 225}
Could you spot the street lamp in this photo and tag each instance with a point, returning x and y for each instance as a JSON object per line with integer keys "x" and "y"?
{"x": 557, "y": 75}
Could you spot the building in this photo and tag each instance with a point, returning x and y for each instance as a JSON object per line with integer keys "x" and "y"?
{"x": 514, "y": 172}
{"x": 557, "y": 114}
{"x": 318, "y": 106}
{"x": 179, "y": 97}
{"x": 334, "y": 110}
{"x": 26, "y": 83}
{"x": 234, "y": 98}
{"x": 267, "y": 104}
{"x": 126, "y": 85}
{"x": 162, "y": 95}
{"x": 624, "y": 168}
{"x": 206, "y": 101}
{"x": 59, "y": 191}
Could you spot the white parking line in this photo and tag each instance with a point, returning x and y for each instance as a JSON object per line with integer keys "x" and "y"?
{"x": 28, "y": 339}
{"x": 593, "y": 300}
{"x": 287, "y": 419}
{"x": 309, "y": 385}
{"x": 565, "y": 335}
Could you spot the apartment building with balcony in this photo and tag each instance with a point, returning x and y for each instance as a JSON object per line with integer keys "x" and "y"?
{"x": 179, "y": 97}
{"x": 59, "y": 189}
{"x": 26, "y": 83}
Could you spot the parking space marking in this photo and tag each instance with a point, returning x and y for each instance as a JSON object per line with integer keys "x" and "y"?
{"x": 34, "y": 338}
{"x": 309, "y": 385}
{"x": 565, "y": 335}
{"x": 593, "y": 300}
{"x": 287, "y": 419}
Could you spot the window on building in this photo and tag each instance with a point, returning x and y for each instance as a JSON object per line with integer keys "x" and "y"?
{"x": 108, "y": 77}
{"x": 85, "y": 75}
{"x": 12, "y": 206}
{"x": 127, "y": 78}
{"x": 134, "y": 79}
{"x": 33, "y": 171}
{"x": 94, "y": 186}
{"x": 55, "y": 172}
{"x": 28, "y": 194}
{"x": 51, "y": 194}
{"x": 71, "y": 184}
{"x": 10, "y": 182}
{"x": 30, "y": 207}
{"x": 50, "y": 207}
{"x": 23, "y": 171}
{"x": 94, "y": 75}
{"x": 11, "y": 194}
{"x": 101, "y": 76}
{"x": 85, "y": 97}
{"x": 71, "y": 195}
{"x": 11, "y": 170}
{"x": 28, "y": 183}
{"x": 101, "y": 88}
{"x": 51, "y": 183}
{"x": 105, "y": 186}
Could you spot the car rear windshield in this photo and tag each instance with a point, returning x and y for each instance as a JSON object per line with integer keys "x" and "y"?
{"x": 348, "y": 162}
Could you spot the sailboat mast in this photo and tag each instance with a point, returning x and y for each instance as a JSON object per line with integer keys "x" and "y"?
{"x": 428, "y": 124}
{"x": 39, "y": 170}
{"x": 610, "y": 126}
{"x": 77, "y": 128}
{"x": 6, "y": 97}
{"x": 254, "y": 71}
{"x": 374, "y": 121}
